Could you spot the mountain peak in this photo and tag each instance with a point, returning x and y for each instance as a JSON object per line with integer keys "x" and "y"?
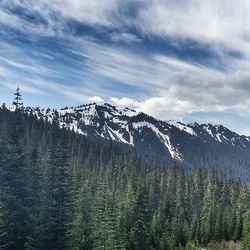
{"x": 113, "y": 123}
{"x": 164, "y": 140}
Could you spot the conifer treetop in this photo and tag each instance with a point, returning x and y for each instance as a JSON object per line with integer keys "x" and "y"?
{"x": 17, "y": 99}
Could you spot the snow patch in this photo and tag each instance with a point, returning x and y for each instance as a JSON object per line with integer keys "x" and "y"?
{"x": 116, "y": 136}
{"x": 164, "y": 138}
{"x": 183, "y": 127}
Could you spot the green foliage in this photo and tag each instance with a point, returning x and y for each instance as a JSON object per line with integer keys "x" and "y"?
{"x": 224, "y": 245}
{"x": 192, "y": 245}
{"x": 59, "y": 190}
{"x": 14, "y": 193}
{"x": 57, "y": 205}
{"x": 246, "y": 232}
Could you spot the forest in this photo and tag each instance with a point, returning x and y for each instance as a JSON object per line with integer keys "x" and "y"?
{"x": 60, "y": 190}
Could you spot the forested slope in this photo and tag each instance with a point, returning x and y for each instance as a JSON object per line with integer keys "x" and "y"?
{"x": 60, "y": 190}
{"x": 192, "y": 145}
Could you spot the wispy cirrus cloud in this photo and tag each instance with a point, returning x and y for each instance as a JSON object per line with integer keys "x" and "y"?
{"x": 124, "y": 37}
{"x": 168, "y": 58}
{"x": 206, "y": 21}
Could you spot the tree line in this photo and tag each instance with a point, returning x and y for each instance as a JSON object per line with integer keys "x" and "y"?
{"x": 61, "y": 190}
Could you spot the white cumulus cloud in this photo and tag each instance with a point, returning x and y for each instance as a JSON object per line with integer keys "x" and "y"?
{"x": 96, "y": 99}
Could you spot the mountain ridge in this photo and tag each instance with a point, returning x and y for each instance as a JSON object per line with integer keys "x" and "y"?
{"x": 90, "y": 109}
{"x": 192, "y": 145}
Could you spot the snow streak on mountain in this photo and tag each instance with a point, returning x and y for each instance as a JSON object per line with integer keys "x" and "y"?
{"x": 193, "y": 145}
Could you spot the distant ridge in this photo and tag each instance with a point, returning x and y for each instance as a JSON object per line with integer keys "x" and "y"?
{"x": 192, "y": 145}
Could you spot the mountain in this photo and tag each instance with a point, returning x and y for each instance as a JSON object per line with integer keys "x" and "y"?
{"x": 61, "y": 190}
{"x": 192, "y": 145}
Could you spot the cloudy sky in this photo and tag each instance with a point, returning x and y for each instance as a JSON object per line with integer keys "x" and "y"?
{"x": 173, "y": 59}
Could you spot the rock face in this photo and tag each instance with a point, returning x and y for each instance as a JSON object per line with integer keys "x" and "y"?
{"x": 193, "y": 145}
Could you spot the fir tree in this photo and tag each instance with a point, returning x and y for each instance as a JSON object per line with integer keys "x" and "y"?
{"x": 14, "y": 187}
{"x": 58, "y": 203}
{"x": 17, "y": 99}
{"x": 246, "y": 232}
{"x": 60, "y": 190}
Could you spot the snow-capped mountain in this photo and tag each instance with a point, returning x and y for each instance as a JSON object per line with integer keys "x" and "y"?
{"x": 194, "y": 145}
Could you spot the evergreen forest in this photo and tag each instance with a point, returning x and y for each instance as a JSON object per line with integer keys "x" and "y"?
{"x": 60, "y": 190}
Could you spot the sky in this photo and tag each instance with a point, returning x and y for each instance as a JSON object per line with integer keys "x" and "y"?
{"x": 172, "y": 59}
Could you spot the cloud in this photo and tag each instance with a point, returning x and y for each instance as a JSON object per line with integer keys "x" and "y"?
{"x": 27, "y": 66}
{"x": 207, "y": 21}
{"x": 25, "y": 88}
{"x": 124, "y": 102}
{"x": 124, "y": 37}
{"x": 226, "y": 24}
{"x": 128, "y": 65}
{"x": 51, "y": 18}
{"x": 93, "y": 12}
{"x": 96, "y": 99}
{"x": 163, "y": 108}
{"x": 173, "y": 87}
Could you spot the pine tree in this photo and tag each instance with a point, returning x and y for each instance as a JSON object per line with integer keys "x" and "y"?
{"x": 115, "y": 200}
{"x": 14, "y": 187}
{"x": 17, "y": 99}
{"x": 105, "y": 226}
{"x": 57, "y": 207}
{"x": 207, "y": 216}
{"x": 140, "y": 231}
{"x": 81, "y": 228}
{"x": 196, "y": 198}
{"x": 246, "y": 232}
{"x": 35, "y": 185}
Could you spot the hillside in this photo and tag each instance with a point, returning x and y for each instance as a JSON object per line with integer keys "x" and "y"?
{"x": 62, "y": 190}
{"x": 190, "y": 145}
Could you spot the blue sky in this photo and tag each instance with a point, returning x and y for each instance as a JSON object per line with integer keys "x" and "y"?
{"x": 178, "y": 59}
